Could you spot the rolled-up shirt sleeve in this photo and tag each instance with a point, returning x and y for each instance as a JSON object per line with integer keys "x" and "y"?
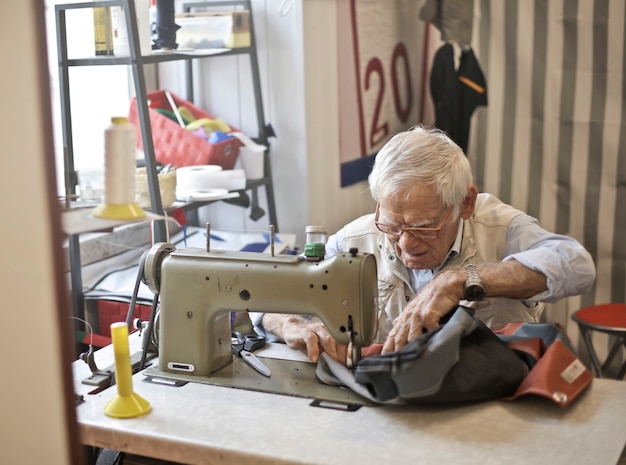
{"x": 567, "y": 265}
{"x": 334, "y": 244}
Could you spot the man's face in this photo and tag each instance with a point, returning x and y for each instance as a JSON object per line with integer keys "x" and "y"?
{"x": 418, "y": 208}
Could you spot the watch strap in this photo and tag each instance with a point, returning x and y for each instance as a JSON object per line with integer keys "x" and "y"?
{"x": 474, "y": 289}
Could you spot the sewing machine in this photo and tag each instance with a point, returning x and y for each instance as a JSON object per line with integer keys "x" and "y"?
{"x": 199, "y": 288}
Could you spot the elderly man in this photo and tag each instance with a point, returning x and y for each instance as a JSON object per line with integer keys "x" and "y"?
{"x": 438, "y": 243}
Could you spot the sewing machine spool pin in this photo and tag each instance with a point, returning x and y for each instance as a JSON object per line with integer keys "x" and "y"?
{"x": 100, "y": 378}
{"x": 353, "y": 354}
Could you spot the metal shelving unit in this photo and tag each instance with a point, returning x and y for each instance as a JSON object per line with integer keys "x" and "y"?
{"x": 136, "y": 61}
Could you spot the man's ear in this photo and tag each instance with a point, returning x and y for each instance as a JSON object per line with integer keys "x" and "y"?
{"x": 467, "y": 208}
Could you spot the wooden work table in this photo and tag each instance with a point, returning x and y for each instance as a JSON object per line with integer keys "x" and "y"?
{"x": 206, "y": 424}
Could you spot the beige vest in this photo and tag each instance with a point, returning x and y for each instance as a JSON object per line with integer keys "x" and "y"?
{"x": 484, "y": 236}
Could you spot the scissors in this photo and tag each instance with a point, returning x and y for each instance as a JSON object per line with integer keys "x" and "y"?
{"x": 242, "y": 346}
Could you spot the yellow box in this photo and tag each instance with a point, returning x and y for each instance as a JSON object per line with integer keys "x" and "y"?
{"x": 229, "y": 29}
{"x": 240, "y": 36}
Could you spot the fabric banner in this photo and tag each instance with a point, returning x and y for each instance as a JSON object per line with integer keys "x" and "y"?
{"x": 381, "y": 82}
{"x": 553, "y": 140}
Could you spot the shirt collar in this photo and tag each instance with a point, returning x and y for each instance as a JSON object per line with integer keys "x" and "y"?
{"x": 455, "y": 249}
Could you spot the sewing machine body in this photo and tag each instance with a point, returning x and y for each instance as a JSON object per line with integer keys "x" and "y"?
{"x": 199, "y": 289}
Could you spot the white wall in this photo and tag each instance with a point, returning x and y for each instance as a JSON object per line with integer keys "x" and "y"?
{"x": 34, "y": 399}
{"x": 329, "y": 204}
{"x": 297, "y": 56}
{"x": 297, "y": 51}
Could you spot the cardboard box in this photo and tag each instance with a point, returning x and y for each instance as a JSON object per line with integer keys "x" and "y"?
{"x": 229, "y": 29}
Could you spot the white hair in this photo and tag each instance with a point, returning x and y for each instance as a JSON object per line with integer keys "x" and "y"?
{"x": 421, "y": 156}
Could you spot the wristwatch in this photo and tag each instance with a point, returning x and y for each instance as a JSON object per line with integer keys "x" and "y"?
{"x": 474, "y": 289}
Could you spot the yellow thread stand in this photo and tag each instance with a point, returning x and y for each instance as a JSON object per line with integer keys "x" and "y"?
{"x": 128, "y": 211}
{"x": 126, "y": 403}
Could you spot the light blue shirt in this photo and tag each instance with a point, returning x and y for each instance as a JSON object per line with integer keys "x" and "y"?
{"x": 567, "y": 265}
{"x": 563, "y": 260}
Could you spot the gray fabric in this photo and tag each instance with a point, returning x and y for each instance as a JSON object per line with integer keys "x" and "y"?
{"x": 595, "y": 143}
{"x": 452, "y": 17}
{"x": 460, "y": 361}
{"x": 331, "y": 372}
{"x": 440, "y": 355}
{"x": 567, "y": 99}
{"x": 618, "y": 270}
{"x": 478, "y": 148}
{"x": 509, "y": 100}
{"x": 539, "y": 66}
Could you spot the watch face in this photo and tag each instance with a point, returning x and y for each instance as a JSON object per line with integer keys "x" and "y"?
{"x": 474, "y": 292}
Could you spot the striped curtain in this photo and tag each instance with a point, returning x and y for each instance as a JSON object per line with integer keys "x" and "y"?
{"x": 552, "y": 140}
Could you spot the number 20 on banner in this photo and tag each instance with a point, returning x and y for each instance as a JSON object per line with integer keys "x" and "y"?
{"x": 392, "y": 98}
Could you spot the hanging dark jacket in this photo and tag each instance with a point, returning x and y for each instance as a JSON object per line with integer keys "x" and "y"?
{"x": 456, "y": 93}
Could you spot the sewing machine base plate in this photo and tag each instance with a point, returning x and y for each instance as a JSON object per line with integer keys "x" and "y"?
{"x": 292, "y": 378}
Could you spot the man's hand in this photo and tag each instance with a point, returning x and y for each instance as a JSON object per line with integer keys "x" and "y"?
{"x": 508, "y": 279}
{"x": 437, "y": 298}
{"x": 305, "y": 334}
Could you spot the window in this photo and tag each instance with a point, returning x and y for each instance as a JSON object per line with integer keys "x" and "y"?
{"x": 96, "y": 92}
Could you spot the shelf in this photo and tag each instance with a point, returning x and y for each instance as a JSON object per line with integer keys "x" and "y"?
{"x": 137, "y": 61}
{"x": 81, "y": 220}
{"x": 155, "y": 57}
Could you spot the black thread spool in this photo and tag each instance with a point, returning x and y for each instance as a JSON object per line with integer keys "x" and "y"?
{"x": 166, "y": 26}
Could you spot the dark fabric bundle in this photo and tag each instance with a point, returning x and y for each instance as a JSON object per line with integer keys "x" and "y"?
{"x": 464, "y": 361}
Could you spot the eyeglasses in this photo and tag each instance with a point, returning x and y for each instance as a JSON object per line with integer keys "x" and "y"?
{"x": 418, "y": 233}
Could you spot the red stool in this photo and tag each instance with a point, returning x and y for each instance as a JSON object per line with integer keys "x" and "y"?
{"x": 605, "y": 318}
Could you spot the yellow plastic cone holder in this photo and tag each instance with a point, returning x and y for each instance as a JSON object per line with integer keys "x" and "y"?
{"x": 126, "y": 403}
{"x": 129, "y": 211}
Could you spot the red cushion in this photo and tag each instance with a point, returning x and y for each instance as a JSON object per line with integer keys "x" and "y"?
{"x": 612, "y": 315}
{"x": 96, "y": 340}
{"x": 112, "y": 311}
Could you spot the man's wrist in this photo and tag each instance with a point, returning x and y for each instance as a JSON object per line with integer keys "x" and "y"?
{"x": 455, "y": 278}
